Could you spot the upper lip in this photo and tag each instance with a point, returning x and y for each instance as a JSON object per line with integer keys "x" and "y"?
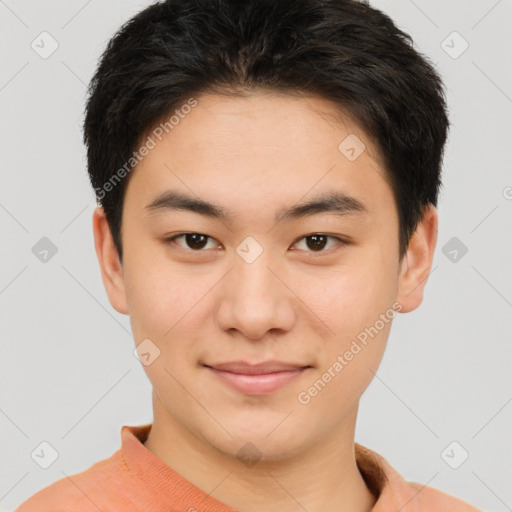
{"x": 245, "y": 368}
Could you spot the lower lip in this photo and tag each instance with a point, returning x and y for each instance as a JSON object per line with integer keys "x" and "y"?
{"x": 257, "y": 384}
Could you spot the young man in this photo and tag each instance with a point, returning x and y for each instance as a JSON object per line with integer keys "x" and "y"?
{"x": 268, "y": 174}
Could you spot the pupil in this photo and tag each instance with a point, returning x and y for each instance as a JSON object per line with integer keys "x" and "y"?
{"x": 194, "y": 240}
{"x": 318, "y": 241}
{"x": 198, "y": 241}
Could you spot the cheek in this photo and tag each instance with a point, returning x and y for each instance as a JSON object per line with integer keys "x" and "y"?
{"x": 351, "y": 296}
{"x": 162, "y": 310}
{"x": 158, "y": 298}
{"x": 356, "y": 303}
{"x": 348, "y": 361}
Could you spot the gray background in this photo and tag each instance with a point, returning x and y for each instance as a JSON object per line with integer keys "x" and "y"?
{"x": 68, "y": 374}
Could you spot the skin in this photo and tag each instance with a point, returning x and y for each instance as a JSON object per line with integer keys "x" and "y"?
{"x": 253, "y": 156}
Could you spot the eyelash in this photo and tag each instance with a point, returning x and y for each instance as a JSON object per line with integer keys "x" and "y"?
{"x": 341, "y": 241}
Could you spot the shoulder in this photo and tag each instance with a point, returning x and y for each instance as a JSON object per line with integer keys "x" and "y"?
{"x": 80, "y": 492}
{"x": 428, "y": 499}
{"x": 396, "y": 493}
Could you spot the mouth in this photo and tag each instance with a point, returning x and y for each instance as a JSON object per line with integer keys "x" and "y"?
{"x": 257, "y": 379}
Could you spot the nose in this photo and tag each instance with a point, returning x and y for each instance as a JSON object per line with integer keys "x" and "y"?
{"x": 254, "y": 299}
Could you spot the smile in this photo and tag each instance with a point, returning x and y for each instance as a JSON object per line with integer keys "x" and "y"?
{"x": 257, "y": 381}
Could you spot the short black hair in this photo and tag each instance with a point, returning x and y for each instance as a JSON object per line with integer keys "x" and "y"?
{"x": 342, "y": 50}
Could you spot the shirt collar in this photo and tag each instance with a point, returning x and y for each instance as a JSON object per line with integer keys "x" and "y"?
{"x": 388, "y": 486}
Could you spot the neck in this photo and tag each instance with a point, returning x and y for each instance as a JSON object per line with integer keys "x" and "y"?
{"x": 323, "y": 478}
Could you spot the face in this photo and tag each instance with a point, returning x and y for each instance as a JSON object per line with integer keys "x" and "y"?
{"x": 313, "y": 290}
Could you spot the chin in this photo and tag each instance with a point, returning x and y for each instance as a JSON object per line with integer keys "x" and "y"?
{"x": 265, "y": 443}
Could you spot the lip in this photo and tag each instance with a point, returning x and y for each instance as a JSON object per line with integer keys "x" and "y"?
{"x": 257, "y": 379}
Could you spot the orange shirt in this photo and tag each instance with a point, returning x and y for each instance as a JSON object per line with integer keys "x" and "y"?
{"x": 134, "y": 479}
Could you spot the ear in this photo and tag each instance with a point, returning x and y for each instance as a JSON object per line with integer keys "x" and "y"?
{"x": 110, "y": 265}
{"x": 417, "y": 262}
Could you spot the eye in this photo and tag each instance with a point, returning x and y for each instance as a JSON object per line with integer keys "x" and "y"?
{"x": 315, "y": 243}
{"x": 194, "y": 241}
{"x": 318, "y": 241}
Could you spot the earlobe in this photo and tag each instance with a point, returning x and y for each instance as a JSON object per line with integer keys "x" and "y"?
{"x": 108, "y": 259}
{"x": 417, "y": 262}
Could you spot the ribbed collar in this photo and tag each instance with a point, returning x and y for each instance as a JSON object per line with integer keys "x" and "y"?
{"x": 167, "y": 486}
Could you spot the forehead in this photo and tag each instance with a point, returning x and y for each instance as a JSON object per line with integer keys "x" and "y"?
{"x": 264, "y": 148}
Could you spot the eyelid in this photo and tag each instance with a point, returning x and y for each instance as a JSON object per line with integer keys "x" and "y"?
{"x": 341, "y": 241}
{"x": 171, "y": 240}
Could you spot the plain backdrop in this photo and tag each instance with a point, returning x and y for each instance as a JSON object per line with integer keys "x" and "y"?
{"x": 68, "y": 374}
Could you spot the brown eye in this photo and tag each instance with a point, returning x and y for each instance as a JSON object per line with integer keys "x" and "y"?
{"x": 193, "y": 241}
{"x": 318, "y": 241}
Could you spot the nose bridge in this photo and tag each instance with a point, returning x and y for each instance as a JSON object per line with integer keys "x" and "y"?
{"x": 252, "y": 278}
{"x": 254, "y": 299}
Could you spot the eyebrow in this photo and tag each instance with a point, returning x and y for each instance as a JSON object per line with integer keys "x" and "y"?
{"x": 335, "y": 202}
